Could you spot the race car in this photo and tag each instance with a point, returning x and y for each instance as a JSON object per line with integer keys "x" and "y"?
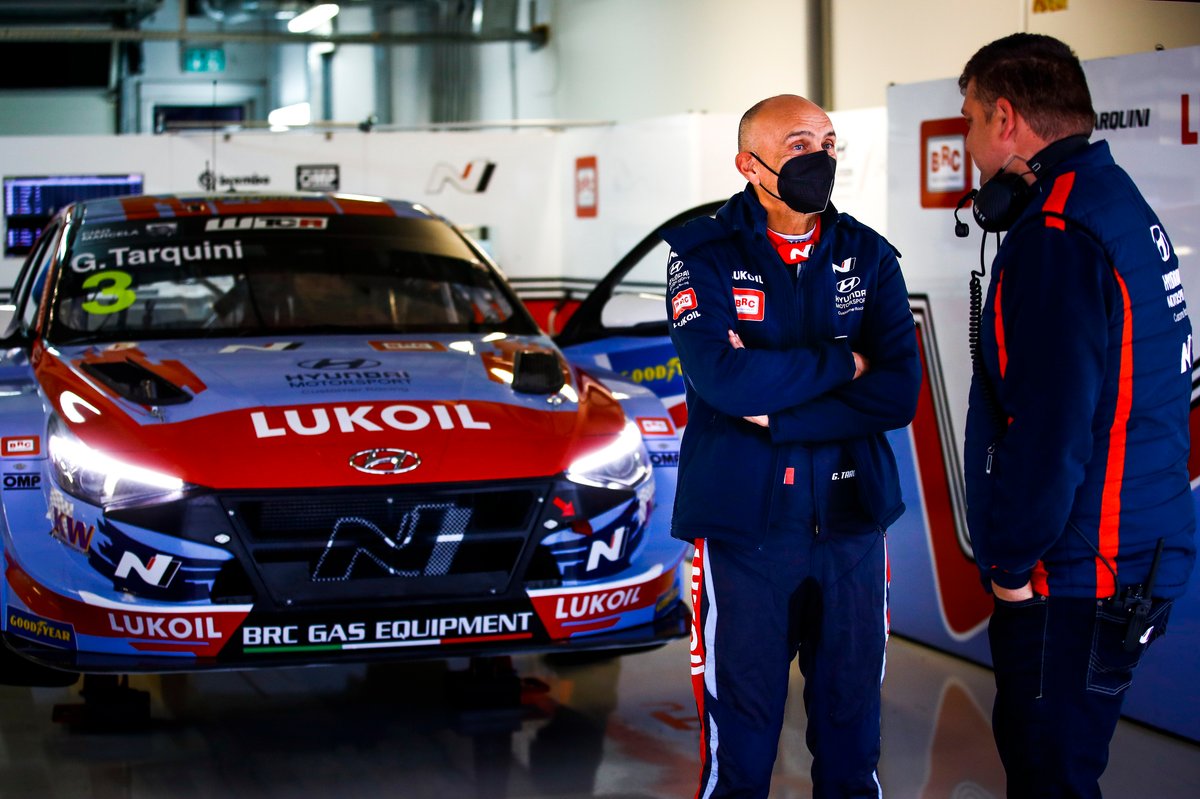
{"x": 241, "y": 431}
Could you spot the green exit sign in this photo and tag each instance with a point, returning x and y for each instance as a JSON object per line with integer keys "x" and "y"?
{"x": 203, "y": 59}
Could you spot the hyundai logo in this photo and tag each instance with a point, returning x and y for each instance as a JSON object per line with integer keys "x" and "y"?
{"x": 848, "y": 284}
{"x": 385, "y": 461}
{"x": 338, "y": 364}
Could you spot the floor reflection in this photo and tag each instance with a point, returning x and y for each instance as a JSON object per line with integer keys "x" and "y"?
{"x": 622, "y": 728}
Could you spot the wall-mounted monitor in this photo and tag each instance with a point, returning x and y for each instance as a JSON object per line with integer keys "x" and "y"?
{"x": 30, "y": 202}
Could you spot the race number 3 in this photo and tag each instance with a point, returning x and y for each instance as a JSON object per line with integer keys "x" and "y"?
{"x": 114, "y": 290}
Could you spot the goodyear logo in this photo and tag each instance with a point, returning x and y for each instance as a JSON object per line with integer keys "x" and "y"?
{"x": 39, "y": 630}
{"x": 657, "y": 372}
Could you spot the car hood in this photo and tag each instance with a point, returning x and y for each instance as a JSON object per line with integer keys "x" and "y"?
{"x": 257, "y": 414}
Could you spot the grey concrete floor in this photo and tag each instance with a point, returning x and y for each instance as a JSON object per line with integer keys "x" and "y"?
{"x": 622, "y": 727}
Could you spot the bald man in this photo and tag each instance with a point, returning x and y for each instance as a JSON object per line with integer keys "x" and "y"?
{"x": 796, "y": 339}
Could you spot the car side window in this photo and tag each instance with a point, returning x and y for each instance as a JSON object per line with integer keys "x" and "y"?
{"x": 32, "y": 282}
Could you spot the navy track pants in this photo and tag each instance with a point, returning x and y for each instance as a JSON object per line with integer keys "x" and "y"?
{"x": 823, "y": 597}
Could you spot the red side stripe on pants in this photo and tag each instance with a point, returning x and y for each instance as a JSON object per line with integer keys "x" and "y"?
{"x": 697, "y": 651}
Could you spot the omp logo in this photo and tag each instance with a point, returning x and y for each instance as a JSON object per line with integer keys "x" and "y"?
{"x": 473, "y": 179}
{"x": 317, "y": 421}
{"x": 750, "y": 304}
{"x": 848, "y": 285}
{"x": 359, "y": 547}
{"x": 267, "y": 223}
{"x": 158, "y": 572}
{"x": 318, "y": 177}
{"x": 683, "y": 301}
{"x": 21, "y": 482}
{"x": 844, "y": 266}
{"x": 1160, "y": 241}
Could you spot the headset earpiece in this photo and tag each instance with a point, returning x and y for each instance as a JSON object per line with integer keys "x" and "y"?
{"x": 1000, "y": 201}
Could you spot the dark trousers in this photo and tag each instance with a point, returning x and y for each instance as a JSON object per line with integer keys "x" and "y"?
{"x": 1061, "y": 675}
{"x": 823, "y": 597}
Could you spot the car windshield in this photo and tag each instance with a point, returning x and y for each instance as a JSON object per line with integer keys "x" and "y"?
{"x": 263, "y": 275}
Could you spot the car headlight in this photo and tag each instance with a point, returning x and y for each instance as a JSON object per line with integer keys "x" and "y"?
{"x": 621, "y": 464}
{"x": 93, "y": 476}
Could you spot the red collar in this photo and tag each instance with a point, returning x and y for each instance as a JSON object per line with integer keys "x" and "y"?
{"x": 795, "y": 252}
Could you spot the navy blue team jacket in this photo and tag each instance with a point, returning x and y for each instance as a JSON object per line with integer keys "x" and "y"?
{"x": 1082, "y": 465}
{"x": 797, "y": 368}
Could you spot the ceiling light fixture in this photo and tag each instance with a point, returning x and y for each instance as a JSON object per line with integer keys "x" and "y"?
{"x": 314, "y": 17}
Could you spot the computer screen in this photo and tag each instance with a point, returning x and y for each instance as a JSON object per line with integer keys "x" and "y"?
{"x": 31, "y": 202}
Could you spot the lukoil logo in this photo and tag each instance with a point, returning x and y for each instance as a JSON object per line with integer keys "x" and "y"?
{"x": 316, "y": 421}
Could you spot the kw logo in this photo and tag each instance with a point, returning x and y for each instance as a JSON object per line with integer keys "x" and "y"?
{"x": 71, "y": 531}
{"x": 473, "y": 179}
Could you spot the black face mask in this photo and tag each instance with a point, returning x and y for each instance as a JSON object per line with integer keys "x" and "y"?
{"x": 805, "y": 182}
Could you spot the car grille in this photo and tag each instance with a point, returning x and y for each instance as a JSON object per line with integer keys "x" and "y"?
{"x": 319, "y": 547}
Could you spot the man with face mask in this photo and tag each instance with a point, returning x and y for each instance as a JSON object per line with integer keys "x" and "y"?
{"x": 793, "y": 328}
{"x": 1078, "y": 502}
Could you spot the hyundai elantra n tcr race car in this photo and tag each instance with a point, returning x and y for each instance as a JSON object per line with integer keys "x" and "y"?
{"x": 240, "y": 431}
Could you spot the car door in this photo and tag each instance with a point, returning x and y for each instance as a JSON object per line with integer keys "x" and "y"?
{"x": 622, "y": 324}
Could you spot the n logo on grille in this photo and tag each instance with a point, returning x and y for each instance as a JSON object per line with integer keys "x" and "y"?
{"x": 424, "y": 545}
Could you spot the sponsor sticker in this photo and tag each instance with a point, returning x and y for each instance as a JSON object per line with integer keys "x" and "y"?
{"x": 322, "y": 420}
{"x": 750, "y": 304}
{"x": 655, "y": 426}
{"x": 20, "y": 446}
{"x": 318, "y": 177}
{"x": 387, "y": 633}
{"x": 18, "y": 481}
{"x": 566, "y": 612}
{"x": 73, "y": 532}
{"x": 40, "y": 630}
{"x": 682, "y": 302}
{"x": 408, "y": 346}
{"x": 267, "y": 223}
